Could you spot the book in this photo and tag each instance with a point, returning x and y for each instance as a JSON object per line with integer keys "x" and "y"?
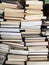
{"x": 37, "y": 44}
{"x": 8, "y": 5}
{"x": 38, "y": 62}
{"x": 35, "y": 17}
{"x": 9, "y": 30}
{"x": 21, "y": 52}
{"x": 35, "y": 39}
{"x": 31, "y": 23}
{"x": 16, "y": 58}
{"x": 11, "y": 62}
{"x": 34, "y": 2}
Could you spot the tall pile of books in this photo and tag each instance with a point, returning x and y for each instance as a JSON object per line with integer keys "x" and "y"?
{"x": 23, "y": 34}
{"x": 36, "y": 44}
{"x": 11, "y": 42}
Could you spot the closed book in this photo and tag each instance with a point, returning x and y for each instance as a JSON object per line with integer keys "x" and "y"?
{"x": 8, "y": 40}
{"x": 8, "y": 37}
{"x": 33, "y": 12}
{"x": 35, "y": 2}
{"x": 34, "y": 7}
{"x": 9, "y": 26}
{"x": 9, "y": 30}
{"x": 30, "y": 33}
{"x": 35, "y": 17}
{"x": 10, "y": 23}
{"x": 4, "y": 5}
{"x": 31, "y": 23}
{"x": 44, "y": 53}
{"x": 21, "y": 52}
{"x": 11, "y": 62}
{"x": 19, "y": 44}
{"x": 37, "y": 44}
{"x": 37, "y": 63}
{"x": 14, "y": 10}
{"x": 16, "y": 58}
{"x": 11, "y": 14}
{"x": 37, "y": 39}
{"x": 13, "y": 18}
{"x": 9, "y": 33}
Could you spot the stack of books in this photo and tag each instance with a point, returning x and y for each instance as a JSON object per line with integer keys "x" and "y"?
{"x": 34, "y": 10}
{"x": 11, "y": 37}
{"x": 36, "y": 44}
{"x": 13, "y": 14}
{"x": 11, "y": 11}
{"x": 21, "y": 34}
{"x": 31, "y": 26}
{"x": 10, "y": 32}
{"x": 17, "y": 56}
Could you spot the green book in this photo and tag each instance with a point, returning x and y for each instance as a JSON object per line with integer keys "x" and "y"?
{"x": 46, "y": 1}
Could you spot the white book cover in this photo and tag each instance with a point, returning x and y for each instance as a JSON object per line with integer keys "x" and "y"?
{"x": 32, "y": 27}
{"x": 23, "y": 52}
{"x": 8, "y": 33}
{"x": 44, "y": 53}
{"x": 31, "y": 23}
{"x": 11, "y": 22}
{"x": 35, "y": 2}
{"x": 9, "y": 30}
{"x": 9, "y": 26}
{"x": 35, "y": 17}
{"x": 38, "y": 63}
{"x": 37, "y": 43}
{"x": 35, "y": 38}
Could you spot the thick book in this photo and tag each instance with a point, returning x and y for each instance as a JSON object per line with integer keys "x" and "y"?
{"x": 15, "y": 30}
{"x": 30, "y": 23}
{"x": 8, "y": 40}
{"x": 34, "y": 7}
{"x": 20, "y": 52}
{"x": 37, "y": 44}
{"x": 38, "y": 63}
{"x": 35, "y": 17}
{"x": 8, "y": 37}
{"x": 14, "y": 15}
{"x": 12, "y": 57}
{"x": 13, "y": 18}
{"x": 4, "y": 5}
{"x": 35, "y": 2}
{"x": 14, "y": 10}
{"x": 10, "y": 23}
{"x": 16, "y": 63}
{"x": 33, "y": 12}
